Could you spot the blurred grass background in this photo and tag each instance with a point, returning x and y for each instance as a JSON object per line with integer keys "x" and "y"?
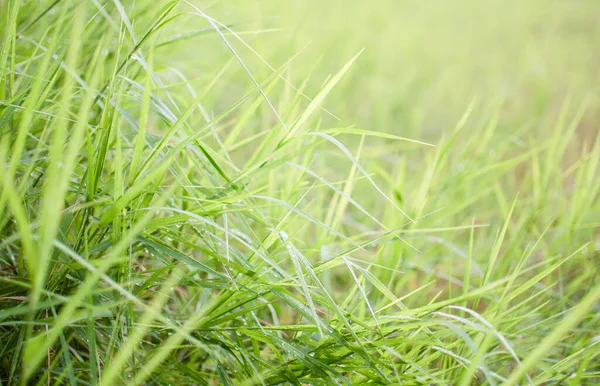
{"x": 424, "y": 62}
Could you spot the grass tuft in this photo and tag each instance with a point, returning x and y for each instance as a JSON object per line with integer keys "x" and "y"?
{"x": 191, "y": 194}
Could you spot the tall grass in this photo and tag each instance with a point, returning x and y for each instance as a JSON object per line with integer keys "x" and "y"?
{"x": 177, "y": 208}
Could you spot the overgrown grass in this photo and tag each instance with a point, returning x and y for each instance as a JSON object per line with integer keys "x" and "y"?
{"x": 186, "y": 198}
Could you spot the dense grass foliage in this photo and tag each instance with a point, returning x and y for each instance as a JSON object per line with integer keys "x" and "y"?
{"x": 196, "y": 193}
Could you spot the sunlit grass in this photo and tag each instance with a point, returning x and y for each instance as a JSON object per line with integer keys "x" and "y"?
{"x": 191, "y": 193}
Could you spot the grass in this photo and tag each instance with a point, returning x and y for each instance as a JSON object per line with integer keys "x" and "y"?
{"x": 196, "y": 193}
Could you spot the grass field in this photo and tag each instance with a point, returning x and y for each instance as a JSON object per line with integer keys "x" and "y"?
{"x": 301, "y": 192}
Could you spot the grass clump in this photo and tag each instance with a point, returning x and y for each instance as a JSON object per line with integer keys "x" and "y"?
{"x": 179, "y": 206}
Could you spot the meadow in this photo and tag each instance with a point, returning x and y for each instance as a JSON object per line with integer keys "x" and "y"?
{"x": 302, "y": 192}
